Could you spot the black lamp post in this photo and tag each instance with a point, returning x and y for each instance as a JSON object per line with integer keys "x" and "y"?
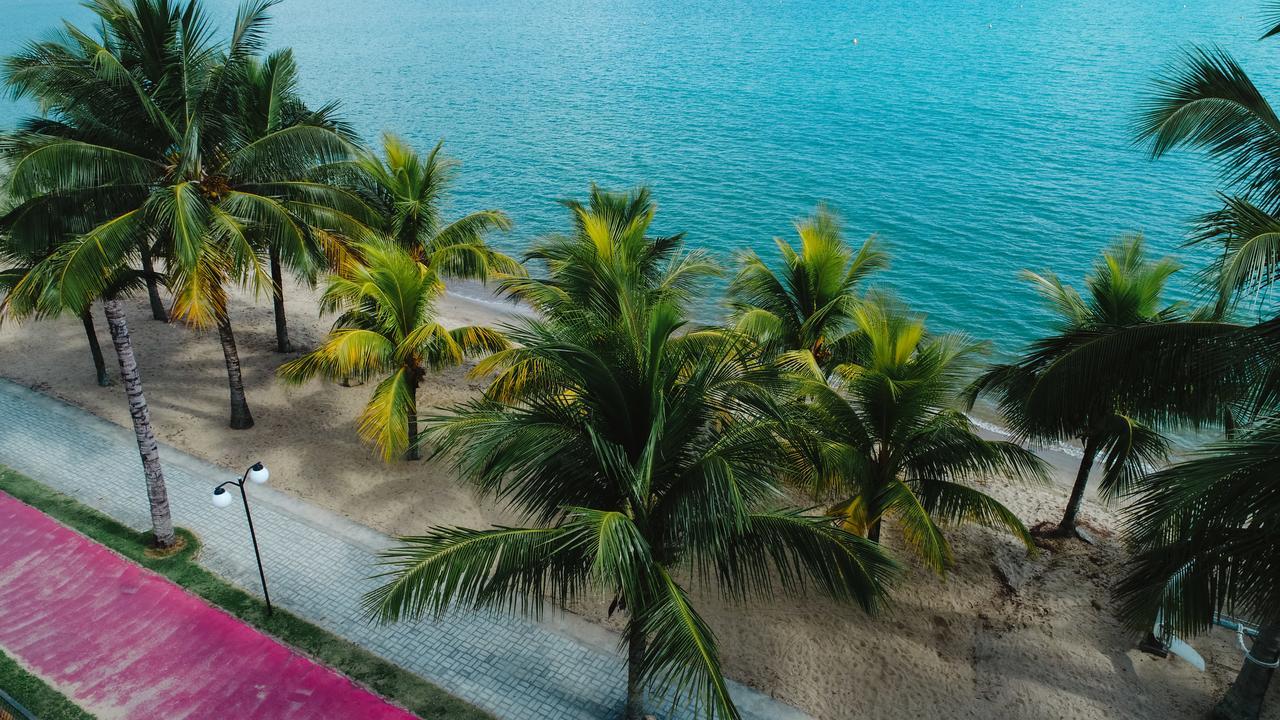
{"x": 221, "y": 498}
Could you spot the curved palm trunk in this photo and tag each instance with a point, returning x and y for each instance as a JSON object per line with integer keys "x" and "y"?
{"x": 414, "y": 452}
{"x": 636, "y": 646}
{"x": 99, "y": 363}
{"x": 1244, "y": 698}
{"x": 153, "y": 288}
{"x": 1067, "y": 527}
{"x": 874, "y": 533}
{"x": 157, "y": 495}
{"x": 277, "y": 301}
{"x": 241, "y": 418}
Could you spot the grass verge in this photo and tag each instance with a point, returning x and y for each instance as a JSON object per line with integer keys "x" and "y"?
{"x": 385, "y": 678}
{"x": 33, "y": 694}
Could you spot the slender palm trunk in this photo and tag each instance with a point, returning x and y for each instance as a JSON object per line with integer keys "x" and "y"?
{"x": 1067, "y": 527}
{"x": 636, "y": 647}
{"x": 99, "y": 363}
{"x": 153, "y": 288}
{"x": 415, "y": 379}
{"x": 1244, "y": 698}
{"x": 157, "y": 495}
{"x": 277, "y": 301}
{"x": 241, "y": 418}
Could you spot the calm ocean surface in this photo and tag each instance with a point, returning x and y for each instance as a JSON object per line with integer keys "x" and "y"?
{"x": 977, "y": 138}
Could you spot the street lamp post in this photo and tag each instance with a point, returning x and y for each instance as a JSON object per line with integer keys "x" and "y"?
{"x": 258, "y": 474}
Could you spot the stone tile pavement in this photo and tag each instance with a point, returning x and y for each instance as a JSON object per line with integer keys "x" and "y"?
{"x": 318, "y": 565}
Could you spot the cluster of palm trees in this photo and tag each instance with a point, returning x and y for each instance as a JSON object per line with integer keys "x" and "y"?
{"x": 649, "y": 455}
{"x": 165, "y": 155}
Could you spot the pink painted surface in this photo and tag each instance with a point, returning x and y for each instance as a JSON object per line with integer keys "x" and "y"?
{"x": 127, "y": 644}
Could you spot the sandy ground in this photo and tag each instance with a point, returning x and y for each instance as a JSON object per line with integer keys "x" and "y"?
{"x": 1001, "y": 636}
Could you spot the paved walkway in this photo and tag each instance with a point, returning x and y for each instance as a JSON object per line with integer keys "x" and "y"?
{"x": 123, "y": 642}
{"x": 318, "y": 565}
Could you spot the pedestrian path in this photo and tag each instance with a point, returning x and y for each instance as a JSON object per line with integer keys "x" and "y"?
{"x": 123, "y": 642}
{"x": 319, "y": 564}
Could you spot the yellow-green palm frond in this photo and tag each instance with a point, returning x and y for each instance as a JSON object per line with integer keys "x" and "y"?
{"x": 384, "y": 422}
{"x": 199, "y": 290}
{"x": 346, "y": 353}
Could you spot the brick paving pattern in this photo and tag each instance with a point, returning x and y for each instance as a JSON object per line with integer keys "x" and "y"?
{"x": 318, "y": 565}
{"x": 123, "y": 642}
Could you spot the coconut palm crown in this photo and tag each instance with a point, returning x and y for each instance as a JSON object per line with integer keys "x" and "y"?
{"x": 408, "y": 192}
{"x": 807, "y": 303}
{"x": 888, "y": 441}
{"x": 609, "y": 259}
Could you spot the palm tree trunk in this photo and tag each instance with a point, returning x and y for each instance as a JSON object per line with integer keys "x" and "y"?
{"x": 874, "y": 533}
{"x": 1067, "y": 527}
{"x": 157, "y": 495}
{"x": 153, "y": 288}
{"x": 99, "y": 363}
{"x": 241, "y": 418}
{"x": 636, "y": 646}
{"x": 277, "y": 302}
{"x": 1244, "y": 698}
{"x": 414, "y": 452}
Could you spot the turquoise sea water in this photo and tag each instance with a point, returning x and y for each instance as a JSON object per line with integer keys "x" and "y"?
{"x": 977, "y": 138}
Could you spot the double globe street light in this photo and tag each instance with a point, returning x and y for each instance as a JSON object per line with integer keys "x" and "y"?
{"x": 257, "y": 474}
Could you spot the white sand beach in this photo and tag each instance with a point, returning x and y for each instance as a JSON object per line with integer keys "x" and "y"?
{"x": 1002, "y": 636}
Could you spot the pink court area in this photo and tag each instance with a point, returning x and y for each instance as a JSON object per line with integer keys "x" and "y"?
{"x": 126, "y": 644}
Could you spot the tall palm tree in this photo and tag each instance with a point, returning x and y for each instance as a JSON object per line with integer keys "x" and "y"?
{"x": 645, "y": 459}
{"x": 407, "y": 194}
{"x": 142, "y": 128}
{"x": 267, "y": 103}
{"x": 39, "y": 291}
{"x": 1040, "y": 401}
{"x": 888, "y": 440}
{"x": 807, "y": 304}
{"x": 388, "y": 327}
{"x": 1206, "y": 535}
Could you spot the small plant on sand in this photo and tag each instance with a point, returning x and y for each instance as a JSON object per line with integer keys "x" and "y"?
{"x": 388, "y": 327}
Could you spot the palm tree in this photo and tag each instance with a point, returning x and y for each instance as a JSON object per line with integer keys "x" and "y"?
{"x": 886, "y": 437}
{"x": 388, "y": 327}
{"x": 1040, "y": 401}
{"x": 20, "y": 253}
{"x": 39, "y": 291}
{"x": 1206, "y": 535}
{"x": 407, "y": 193}
{"x": 1204, "y": 529}
{"x": 609, "y": 260}
{"x": 268, "y": 103}
{"x": 143, "y": 129}
{"x": 808, "y": 303}
{"x": 642, "y": 456}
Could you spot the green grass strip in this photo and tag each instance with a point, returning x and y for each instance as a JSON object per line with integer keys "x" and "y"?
{"x": 33, "y": 694}
{"x": 383, "y": 677}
